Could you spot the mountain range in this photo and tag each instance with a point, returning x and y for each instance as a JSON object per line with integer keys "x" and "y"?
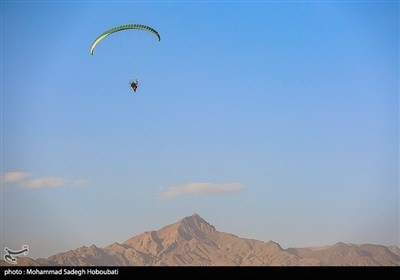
{"x": 192, "y": 241}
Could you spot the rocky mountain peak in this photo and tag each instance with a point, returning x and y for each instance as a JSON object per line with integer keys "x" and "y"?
{"x": 193, "y": 241}
{"x": 195, "y": 225}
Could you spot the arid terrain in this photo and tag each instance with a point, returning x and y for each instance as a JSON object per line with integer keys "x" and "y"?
{"x": 194, "y": 242}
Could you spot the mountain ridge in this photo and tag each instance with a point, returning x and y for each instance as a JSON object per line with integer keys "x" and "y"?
{"x": 193, "y": 241}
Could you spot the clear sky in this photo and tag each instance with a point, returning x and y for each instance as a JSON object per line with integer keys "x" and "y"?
{"x": 272, "y": 120}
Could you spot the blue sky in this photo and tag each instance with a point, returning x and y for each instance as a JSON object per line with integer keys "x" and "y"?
{"x": 272, "y": 120}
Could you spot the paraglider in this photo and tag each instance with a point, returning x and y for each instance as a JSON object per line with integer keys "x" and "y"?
{"x": 103, "y": 35}
{"x": 134, "y": 85}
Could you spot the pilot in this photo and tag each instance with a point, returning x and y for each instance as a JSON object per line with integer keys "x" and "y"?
{"x": 134, "y": 85}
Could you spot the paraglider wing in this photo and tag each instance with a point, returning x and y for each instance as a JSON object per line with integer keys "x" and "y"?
{"x": 120, "y": 28}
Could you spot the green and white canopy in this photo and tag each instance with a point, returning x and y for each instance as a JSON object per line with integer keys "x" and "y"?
{"x": 120, "y": 28}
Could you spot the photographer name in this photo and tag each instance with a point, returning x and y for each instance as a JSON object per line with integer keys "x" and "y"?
{"x": 62, "y": 271}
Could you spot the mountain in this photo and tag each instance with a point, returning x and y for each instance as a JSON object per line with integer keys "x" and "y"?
{"x": 194, "y": 242}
